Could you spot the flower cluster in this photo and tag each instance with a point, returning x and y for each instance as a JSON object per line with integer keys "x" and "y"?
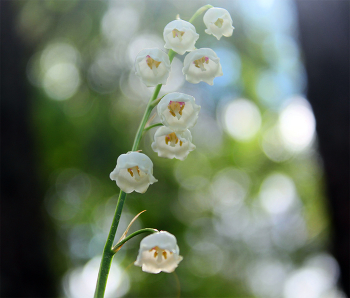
{"x": 178, "y": 112}
{"x": 153, "y": 65}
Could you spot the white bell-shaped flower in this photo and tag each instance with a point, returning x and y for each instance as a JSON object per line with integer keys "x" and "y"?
{"x": 158, "y": 252}
{"x": 202, "y": 65}
{"x": 153, "y": 66}
{"x": 170, "y": 144}
{"x": 178, "y": 111}
{"x": 180, "y": 36}
{"x": 134, "y": 172}
{"x": 218, "y": 22}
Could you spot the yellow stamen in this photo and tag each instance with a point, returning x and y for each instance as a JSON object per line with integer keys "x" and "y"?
{"x": 131, "y": 171}
{"x": 219, "y": 22}
{"x": 199, "y": 63}
{"x": 151, "y": 62}
{"x": 176, "y": 108}
{"x": 172, "y": 138}
{"x": 182, "y": 107}
{"x": 158, "y": 253}
{"x": 177, "y": 33}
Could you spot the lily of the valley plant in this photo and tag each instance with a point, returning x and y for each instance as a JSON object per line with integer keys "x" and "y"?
{"x": 178, "y": 112}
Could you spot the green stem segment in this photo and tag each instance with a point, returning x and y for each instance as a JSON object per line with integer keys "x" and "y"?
{"x": 145, "y": 118}
{"x": 108, "y": 251}
{"x": 146, "y": 230}
{"x": 199, "y": 12}
{"x": 108, "y": 254}
{"x": 153, "y": 125}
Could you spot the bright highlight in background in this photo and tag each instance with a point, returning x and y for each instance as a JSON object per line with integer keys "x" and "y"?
{"x": 81, "y": 282}
{"x": 60, "y": 74}
{"x": 277, "y": 193}
{"x": 242, "y": 119}
{"x": 297, "y": 124}
{"x": 61, "y": 81}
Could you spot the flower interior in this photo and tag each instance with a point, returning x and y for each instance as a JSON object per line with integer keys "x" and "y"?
{"x": 177, "y": 33}
{"x": 219, "y": 22}
{"x": 135, "y": 171}
{"x": 173, "y": 139}
{"x": 152, "y": 64}
{"x": 175, "y": 108}
{"x": 199, "y": 63}
{"x": 159, "y": 253}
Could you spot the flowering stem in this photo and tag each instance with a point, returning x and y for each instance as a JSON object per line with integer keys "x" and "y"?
{"x": 108, "y": 251}
{"x": 146, "y": 230}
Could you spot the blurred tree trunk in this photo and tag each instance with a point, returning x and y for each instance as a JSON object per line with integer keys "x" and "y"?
{"x": 24, "y": 267}
{"x": 324, "y": 30}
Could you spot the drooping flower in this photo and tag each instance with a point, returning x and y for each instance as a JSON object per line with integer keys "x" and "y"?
{"x": 134, "y": 172}
{"x": 218, "y": 22}
{"x": 153, "y": 66}
{"x": 178, "y": 111}
{"x": 180, "y": 36}
{"x": 202, "y": 65}
{"x": 158, "y": 252}
{"x": 170, "y": 144}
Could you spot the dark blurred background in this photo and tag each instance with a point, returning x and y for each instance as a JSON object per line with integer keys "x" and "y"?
{"x": 259, "y": 209}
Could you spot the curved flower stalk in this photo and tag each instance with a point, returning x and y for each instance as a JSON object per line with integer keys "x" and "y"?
{"x": 202, "y": 65}
{"x": 218, "y": 22}
{"x": 170, "y": 144}
{"x": 178, "y": 111}
{"x": 180, "y": 36}
{"x": 153, "y": 66}
{"x": 134, "y": 172}
{"x": 158, "y": 252}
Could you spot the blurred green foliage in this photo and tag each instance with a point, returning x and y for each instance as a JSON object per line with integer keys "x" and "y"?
{"x": 248, "y": 214}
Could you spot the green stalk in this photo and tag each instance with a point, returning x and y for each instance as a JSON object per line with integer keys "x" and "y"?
{"x": 199, "y": 12}
{"x": 108, "y": 252}
{"x": 121, "y": 243}
{"x": 153, "y": 125}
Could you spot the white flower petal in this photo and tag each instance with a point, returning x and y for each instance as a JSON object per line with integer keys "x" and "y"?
{"x": 178, "y": 118}
{"x": 202, "y": 65}
{"x": 218, "y": 22}
{"x": 170, "y": 144}
{"x": 158, "y": 252}
{"x": 153, "y": 67}
{"x": 134, "y": 172}
{"x": 180, "y": 36}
